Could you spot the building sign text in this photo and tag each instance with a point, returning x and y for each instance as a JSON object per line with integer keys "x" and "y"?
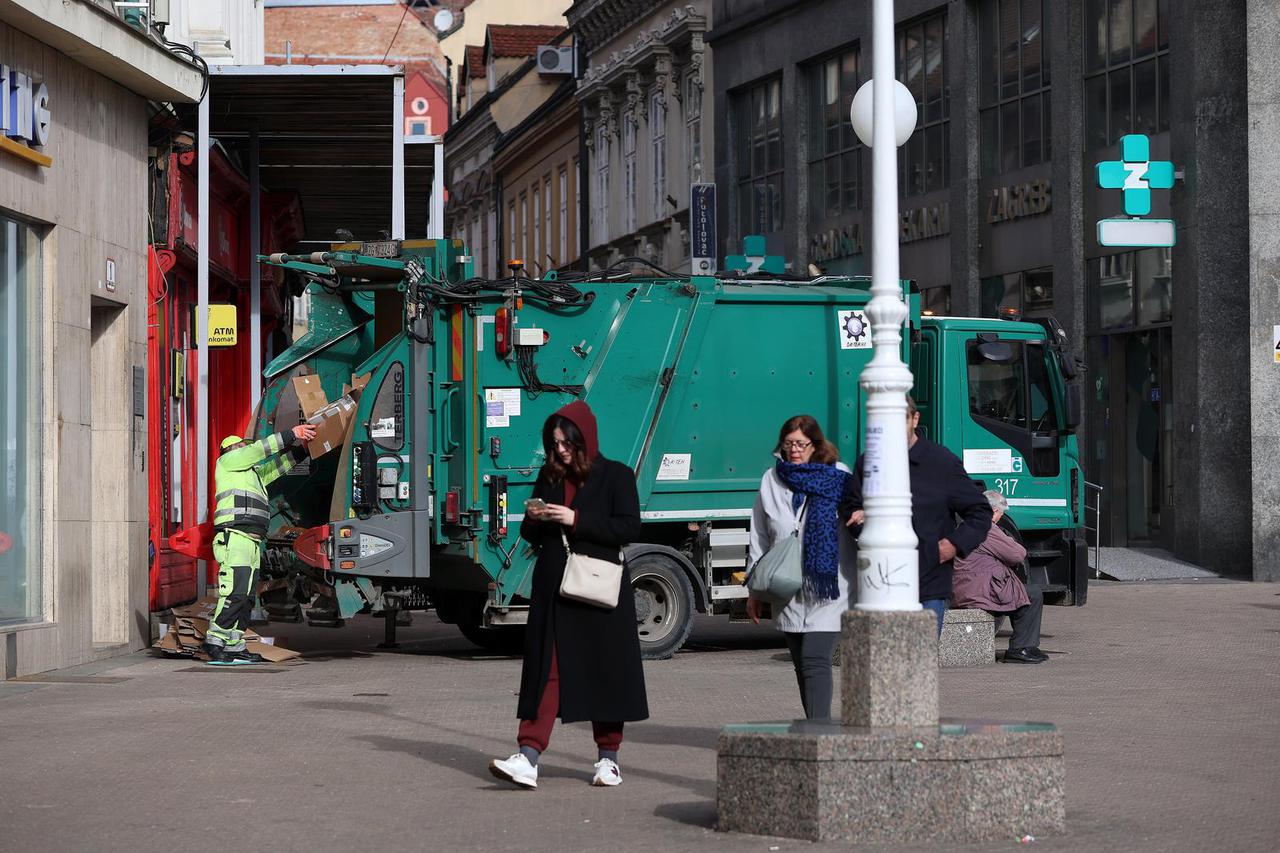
{"x": 921, "y": 223}
{"x": 1030, "y": 198}
{"x": 24, "y": 116}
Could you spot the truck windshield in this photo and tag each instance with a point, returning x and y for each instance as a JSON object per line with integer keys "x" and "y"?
{"x": 1014, "y": 392}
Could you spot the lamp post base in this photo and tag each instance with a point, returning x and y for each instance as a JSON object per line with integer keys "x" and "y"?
{"x": 953, "y": 782}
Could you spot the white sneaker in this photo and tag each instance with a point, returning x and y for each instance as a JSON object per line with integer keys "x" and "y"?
{"x": 607, "y": 774}
{"x": 516, "y": 769}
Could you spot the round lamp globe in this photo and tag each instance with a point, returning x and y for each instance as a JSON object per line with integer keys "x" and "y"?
{"x": 904, "y": 113}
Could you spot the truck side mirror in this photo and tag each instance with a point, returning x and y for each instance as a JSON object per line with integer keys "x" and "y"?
{"x": 995, "y": 351}
{"x": 1072, "y": 414}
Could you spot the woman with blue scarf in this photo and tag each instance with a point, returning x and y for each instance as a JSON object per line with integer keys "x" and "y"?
{"x": 803, "y": 489}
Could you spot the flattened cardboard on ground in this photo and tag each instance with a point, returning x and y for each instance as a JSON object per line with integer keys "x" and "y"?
{"x": 275, "y": 654}
{"x": 188, "y": 626}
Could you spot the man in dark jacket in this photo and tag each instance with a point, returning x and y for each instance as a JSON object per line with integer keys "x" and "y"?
{"x": 940, "y": 491}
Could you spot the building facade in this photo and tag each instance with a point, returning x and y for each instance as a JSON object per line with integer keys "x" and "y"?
{"x": 646, "y": 132}
{"x": 1017, "y": 102}
{"x": 537, "y": 164}
{"x": 365, "y": 32}
{"x": 503, "y": 96}
{"x": 73, "y": 310}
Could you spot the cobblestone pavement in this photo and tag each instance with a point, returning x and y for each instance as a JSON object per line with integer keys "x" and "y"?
{"x": 1168, "y": 696}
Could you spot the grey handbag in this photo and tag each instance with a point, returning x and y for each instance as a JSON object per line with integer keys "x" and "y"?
{"x": 590, "y": 579}
{"x": 779, "y": 573}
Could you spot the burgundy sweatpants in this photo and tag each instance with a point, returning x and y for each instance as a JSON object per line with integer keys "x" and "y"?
{"x": 537, "y": 733}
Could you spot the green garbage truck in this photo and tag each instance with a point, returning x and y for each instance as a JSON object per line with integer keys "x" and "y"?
{"x": 446, "y": 380}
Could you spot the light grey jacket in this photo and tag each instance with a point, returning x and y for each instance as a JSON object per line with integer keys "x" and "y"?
{"x": 771, "y": 519}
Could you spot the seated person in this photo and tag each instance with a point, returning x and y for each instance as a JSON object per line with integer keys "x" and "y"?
{"x": 984, "y": 579}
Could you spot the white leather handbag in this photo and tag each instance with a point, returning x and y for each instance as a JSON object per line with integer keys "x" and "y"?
{"x": 590, "y": 579}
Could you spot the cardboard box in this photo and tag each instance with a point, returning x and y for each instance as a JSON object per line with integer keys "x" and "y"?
{"x": 331, "y": 420}
{"x": 331, "y": 423}
{"x": 311, "y": 396}
{"x": 357, "y": 385}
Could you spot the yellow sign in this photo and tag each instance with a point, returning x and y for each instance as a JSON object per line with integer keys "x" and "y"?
{"x": 222, "y": 325}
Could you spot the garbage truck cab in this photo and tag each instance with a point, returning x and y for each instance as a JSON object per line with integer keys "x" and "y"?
{"x": 441, "y": 383}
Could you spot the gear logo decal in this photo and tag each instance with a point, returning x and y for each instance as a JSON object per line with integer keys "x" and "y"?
{"x": 853, "y": 329}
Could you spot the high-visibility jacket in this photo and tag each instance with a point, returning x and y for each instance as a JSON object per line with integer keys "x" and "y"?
{"x": 241, "y": 478}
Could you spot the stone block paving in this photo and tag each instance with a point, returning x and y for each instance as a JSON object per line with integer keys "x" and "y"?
{"x": 1167, "y": 695}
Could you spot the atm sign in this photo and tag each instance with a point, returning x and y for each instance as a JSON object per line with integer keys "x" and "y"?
{"x": 222, "y": 325}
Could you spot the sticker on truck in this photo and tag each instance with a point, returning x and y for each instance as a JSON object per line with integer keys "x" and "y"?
{"x": 853, "y": 329}
{"x": 994, "y": 460}
{"x": 675, "y": 466}
{"x": 372, "y": 545}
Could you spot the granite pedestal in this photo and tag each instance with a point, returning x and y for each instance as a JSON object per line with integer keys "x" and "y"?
{"x": 892, "y": 772}
{"x": 968, "y": 639}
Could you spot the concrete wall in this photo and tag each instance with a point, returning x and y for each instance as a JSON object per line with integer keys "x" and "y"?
{"x": 92, "y": 205}
{"x": 1263, "y": 64}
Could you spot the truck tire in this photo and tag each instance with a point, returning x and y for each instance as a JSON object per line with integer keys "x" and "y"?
{"x": 664, "y": 605}
{"x": 507, "y": 640}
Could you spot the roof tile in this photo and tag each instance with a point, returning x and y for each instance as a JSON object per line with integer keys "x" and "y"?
{"x": 520, "y": 40}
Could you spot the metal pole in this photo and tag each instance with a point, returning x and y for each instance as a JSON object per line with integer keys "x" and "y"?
{"x": 435, "y": 225}
{"x": 888, "y": 568}
{"x": 255, "y": 272}
{"x": 397, "y": 158}
{"x": 202, "y": 330}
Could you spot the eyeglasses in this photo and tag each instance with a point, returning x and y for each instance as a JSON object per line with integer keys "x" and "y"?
{"x": 797, "y": 445}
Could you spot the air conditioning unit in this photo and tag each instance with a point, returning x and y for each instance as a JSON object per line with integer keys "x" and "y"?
{"x": 555, "y": 60}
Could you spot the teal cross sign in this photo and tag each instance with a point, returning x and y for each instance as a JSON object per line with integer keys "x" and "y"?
{"x": 1136, "y": 173}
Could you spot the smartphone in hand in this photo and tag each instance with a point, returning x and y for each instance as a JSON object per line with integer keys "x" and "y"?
{"x": 536, "y": 504}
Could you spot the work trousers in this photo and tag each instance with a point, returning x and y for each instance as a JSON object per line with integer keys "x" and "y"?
{"x": 811, "y": 657}
{"x": 536, "y": 733}
{"x": 1025, "y": 621}
{"x": 238, "y": 555}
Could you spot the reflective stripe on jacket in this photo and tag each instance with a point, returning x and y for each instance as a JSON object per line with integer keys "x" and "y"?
{"x": 242, "y": 476}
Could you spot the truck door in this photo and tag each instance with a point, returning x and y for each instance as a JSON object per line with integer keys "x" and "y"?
{"x": 1013, "y": 440}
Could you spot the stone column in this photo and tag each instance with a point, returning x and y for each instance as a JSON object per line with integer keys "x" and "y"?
{"x": 889, "y": 667}
{"x": 1211, "y": 300}
{"x": 966, "y": 169}
{"x": 1066, "y": 119}
{"x": 1263, "y": 63}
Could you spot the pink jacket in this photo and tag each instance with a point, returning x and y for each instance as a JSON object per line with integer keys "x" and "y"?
{"x": 984, "y": 580}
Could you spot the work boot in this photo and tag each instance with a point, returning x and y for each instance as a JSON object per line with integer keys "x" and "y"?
{"x": 219, "y": 656}
{"x": 251, "y": 657}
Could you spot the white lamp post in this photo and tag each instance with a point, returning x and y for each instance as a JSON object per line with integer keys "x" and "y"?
{"x": 888, "y": 565}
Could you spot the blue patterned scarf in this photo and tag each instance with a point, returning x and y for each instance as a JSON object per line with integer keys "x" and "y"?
{"x": 822, "y": 485}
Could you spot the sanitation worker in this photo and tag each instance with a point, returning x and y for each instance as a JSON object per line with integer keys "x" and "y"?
{"x": 240, "y": 519}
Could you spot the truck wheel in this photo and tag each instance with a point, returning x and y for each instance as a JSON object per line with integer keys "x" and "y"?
{"x": 664, "y": 605}
{"x": 507, "y": 640}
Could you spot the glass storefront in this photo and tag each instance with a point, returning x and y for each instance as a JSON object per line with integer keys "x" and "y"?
{"x": 1029, "y": 292}
{"x": 20, "y": 529}
{"x": 1131, "y": 398}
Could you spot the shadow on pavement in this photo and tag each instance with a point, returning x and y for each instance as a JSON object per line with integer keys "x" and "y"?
{"x": 659, "y": 734}
{"x": 699, "y": 813}
{"x": 451, "y": 756}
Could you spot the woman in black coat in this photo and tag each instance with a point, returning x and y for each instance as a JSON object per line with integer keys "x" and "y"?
{"x": 581, "y": 662}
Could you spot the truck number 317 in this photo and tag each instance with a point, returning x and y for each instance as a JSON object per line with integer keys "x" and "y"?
{"x": 1007, "y": 486}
